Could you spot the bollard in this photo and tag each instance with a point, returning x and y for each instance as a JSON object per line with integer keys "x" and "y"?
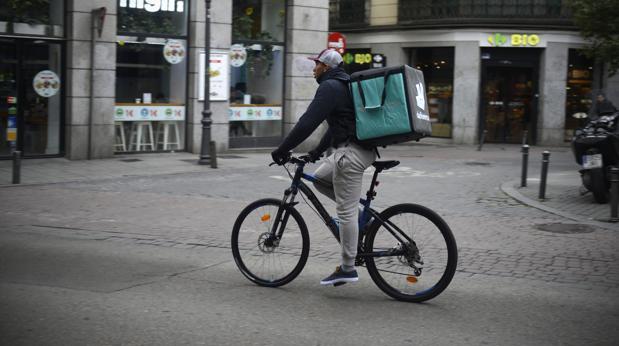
{"x": 16, "y": 167}
{"x": 213, "y": 154}
{"x": 524, "y": 137}
{"x": 614, "y": 193}
{"x": 542, "y": 183}
{"x": 481, "y": 140}
{"x": 525, "y": 165}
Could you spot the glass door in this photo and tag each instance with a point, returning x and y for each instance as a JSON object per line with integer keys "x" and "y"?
{"x": 8, "y": 97}
{"x": 508, "y": 103}
{"x": 30, "y": 97}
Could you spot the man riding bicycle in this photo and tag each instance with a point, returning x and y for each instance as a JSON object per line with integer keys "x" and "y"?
{"x": 340, "y": 176}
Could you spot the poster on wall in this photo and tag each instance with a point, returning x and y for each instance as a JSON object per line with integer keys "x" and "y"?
{"x": 46, "y": 83}
{"x": 219, "y": 86}
{"x": 174, "y": 51}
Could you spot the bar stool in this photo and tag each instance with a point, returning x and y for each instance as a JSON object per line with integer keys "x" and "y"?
{"x": 164, "y": 134}
{"x": 139, "y": 138}
{"x": 119, "y": 130}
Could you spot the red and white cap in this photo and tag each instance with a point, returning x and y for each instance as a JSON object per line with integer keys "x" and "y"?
{"x": 329, "y": 57}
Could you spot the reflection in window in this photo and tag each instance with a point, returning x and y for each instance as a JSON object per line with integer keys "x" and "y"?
{"x": 579, "y": 88}
{"x": 257, "y": 69}
{"x": 150, "y": 94}
{"x": 438, "y": 72}
{"x": 32, "y": 17}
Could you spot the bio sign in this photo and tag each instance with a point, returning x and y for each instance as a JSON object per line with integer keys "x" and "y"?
{"x": 513, "y": 40}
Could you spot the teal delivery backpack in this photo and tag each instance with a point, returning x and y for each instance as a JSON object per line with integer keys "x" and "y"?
{"x": 390, "y": 105}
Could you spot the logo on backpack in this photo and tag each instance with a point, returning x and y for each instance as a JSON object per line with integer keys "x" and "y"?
{"x": 421, "y": 100}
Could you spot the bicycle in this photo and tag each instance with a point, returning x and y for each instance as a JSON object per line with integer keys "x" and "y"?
{"x": 408, "y": 250}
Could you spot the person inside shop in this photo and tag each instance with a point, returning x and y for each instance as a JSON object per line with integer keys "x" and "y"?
{"x": 600, "y": 107}
{"x": 340, "y": 175}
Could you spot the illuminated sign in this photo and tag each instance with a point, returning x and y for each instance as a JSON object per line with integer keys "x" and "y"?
{"x": 514, "y": 40}
{"x": 155, "y": 5}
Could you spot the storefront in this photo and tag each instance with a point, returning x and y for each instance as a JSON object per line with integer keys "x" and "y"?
{"x": 510, "y": 86}
{"x": 257, "y": 64}
{"x": 151, "y": 76}
{"x": 32, "y": 78}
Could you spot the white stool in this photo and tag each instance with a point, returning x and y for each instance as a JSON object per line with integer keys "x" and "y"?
{"x": 164, "y": 132}
{"x": 139, "y": 139}
{"x": 120, "y": 144}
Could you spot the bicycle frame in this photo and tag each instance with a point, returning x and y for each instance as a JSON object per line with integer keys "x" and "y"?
{"x": 366, "y": 215}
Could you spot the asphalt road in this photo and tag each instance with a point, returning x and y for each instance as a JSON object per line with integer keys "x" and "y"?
{"x": 145, "y": 260}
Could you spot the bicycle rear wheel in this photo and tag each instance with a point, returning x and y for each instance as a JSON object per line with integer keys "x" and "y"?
{"x": 423, "y": 268}
{"x": 261, "y": 259}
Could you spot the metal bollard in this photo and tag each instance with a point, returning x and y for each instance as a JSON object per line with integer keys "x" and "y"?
{"x": 16, "y": 167}
{"x": 213, "y": 154}
{"x": 542, "y": 183}
{"x": 482, "y": 140}
{"x": 525, "y": 135}
{"x": 614, "y": 193}
{"x": 525, "y": 165}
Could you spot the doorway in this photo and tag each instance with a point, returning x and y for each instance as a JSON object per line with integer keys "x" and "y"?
{"x": 30, "y": 97}
{"x": 509, "y": 96}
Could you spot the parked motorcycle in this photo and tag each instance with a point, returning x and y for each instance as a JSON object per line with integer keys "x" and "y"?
{"x": 596, "y": 149}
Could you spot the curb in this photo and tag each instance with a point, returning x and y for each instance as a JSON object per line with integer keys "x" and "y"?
{"x": 508, "y": 189}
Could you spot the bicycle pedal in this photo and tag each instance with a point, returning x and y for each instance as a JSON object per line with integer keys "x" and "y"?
{"x": 338, "y": 284}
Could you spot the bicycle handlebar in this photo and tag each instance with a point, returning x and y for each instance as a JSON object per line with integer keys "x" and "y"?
{"x": 296, "y": 160}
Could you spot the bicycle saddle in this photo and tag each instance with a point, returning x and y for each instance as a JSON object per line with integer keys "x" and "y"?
{"x": 384, "y": 165}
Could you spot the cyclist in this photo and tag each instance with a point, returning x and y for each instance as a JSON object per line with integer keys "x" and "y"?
{"x": 339, "y": 176}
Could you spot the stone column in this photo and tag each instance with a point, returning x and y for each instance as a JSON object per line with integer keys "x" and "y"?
{"x": 553, "y": 78}
{"x": 221, "y": 35}
{"x": 306, "y": 35}
{"x": 79, "y": 29}
{"x": 467, "y": 72}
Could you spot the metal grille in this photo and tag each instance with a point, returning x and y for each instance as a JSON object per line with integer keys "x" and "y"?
{"x": 410, "y": 11}
{"x": 344, "y": 13}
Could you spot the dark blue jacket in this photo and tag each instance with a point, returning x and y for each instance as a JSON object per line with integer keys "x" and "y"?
{"x": 333, "y": 103}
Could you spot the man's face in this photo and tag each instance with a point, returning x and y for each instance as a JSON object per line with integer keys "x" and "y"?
{"x": 600, "y": 98}
{"x": 319, "y": 69}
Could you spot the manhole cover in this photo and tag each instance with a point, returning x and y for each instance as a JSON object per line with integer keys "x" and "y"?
{"x": 131, "y": 160}
{"x": 475, "y": 163}
{"x": 565, "y": 228}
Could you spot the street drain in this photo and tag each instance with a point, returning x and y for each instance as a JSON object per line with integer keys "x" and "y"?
{"x": 565, "y": 228}
{"x": 131, "y": 160}
{"x": 476, "y": 163}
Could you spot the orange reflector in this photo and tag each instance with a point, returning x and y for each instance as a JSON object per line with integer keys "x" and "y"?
{"x": 411, "y": 279}
{"x": 265, "y": 217}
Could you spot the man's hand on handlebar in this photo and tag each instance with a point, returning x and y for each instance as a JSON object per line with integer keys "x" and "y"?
{"x": 280, "y": 157}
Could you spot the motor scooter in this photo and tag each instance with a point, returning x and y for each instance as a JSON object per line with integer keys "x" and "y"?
{"x": 596, "y": 149}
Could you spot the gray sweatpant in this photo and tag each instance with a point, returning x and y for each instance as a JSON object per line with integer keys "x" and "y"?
{"x": 339, "y": 178}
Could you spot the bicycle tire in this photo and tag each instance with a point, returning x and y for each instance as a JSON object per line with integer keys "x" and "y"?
{"x": 433, "y": 246}
{"x": 256, "y": 231}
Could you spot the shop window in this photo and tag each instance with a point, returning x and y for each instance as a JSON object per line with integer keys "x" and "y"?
{"x": 150, "y": 94}
{"x": 33, "y": 17}
{"x": 578, "y": 90}
{"x": 257, "y": 72}
{"x": 154, "y": 17}
{"x": 438, "y": 73}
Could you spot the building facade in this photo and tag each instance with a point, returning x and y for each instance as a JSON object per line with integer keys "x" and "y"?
{"x": 88, "y": 79}
{"x": 510, "y": 70}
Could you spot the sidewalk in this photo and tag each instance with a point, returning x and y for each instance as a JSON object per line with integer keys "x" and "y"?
{"x": 564, "y": 197}
{"x": 58, "y": 170}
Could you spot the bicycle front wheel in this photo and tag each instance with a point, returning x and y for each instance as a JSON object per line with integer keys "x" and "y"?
{"x": 261, "y": 258}
{"x": 419, "y": 269}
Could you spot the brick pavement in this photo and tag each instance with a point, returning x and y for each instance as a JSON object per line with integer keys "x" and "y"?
{"x": 504, "y": 245}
